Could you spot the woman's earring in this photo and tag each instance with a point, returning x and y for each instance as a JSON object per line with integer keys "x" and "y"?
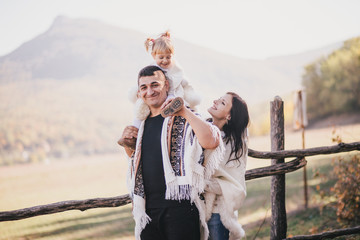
{"x": 228, "y": 119}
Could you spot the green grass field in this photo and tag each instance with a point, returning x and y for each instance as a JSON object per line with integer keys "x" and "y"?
{"x": 82, "y": 178}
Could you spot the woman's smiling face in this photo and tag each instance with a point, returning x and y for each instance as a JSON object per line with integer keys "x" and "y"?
{"x": 221, "y": 108}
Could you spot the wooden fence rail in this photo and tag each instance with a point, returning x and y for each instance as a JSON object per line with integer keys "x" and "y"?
{"x": 83, "y": 205}
{"x": 341, "y": 147}
{"x": 281, "y": 168}
{"x": 328, "y": 235}
{"x": 277, "y": 170}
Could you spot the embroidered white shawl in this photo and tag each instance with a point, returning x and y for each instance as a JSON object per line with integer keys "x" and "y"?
{"x": 187, "y": 186}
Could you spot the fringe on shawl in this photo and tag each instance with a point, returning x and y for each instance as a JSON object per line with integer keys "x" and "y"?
{"x": 230, "y": 222}
{"x": 192, "y": 159}
{"x": 129, "y": 182}
{"x": 215, "y": 156}
{"x": 140, "y": 216}
{"x": 212, "y": 161}
{"x": 172, "y": 188}
{"x": 183, "y": 187}
{"x": 204, "y": 230}
{"x": 197, "y": 181}
{"x": 172, "y": 185}
{"x": 178, "y": 192}
{"x": 210, "y": 200}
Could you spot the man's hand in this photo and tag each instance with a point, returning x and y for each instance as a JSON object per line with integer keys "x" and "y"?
{"x": 130, "y": 132}
{"x": 128, "y": 139}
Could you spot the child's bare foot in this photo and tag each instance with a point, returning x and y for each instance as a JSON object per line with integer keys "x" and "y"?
{"x": 173, "y": 107}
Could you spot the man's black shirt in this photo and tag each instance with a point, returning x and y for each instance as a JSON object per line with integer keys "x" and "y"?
{"x": 152, "y": 166}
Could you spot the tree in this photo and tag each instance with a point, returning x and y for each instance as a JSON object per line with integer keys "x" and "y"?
{"x": 333, "y": 83}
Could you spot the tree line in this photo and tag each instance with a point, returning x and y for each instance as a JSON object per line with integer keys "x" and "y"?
{"x": 332, "y": 83}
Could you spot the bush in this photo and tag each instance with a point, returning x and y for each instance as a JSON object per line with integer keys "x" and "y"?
{"x": 347, "y": 189}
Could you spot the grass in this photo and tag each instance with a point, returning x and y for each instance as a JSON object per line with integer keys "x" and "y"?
{"x": 93, "y": 224}
{"x": 74, "y": 179}
{"x": 302, "y": 222}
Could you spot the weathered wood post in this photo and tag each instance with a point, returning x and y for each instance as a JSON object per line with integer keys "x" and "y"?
{"x": 302, "y": 125}
{"x": 278, "y": 211}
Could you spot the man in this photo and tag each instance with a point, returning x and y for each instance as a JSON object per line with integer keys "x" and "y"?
{"x": 167, "y": 169}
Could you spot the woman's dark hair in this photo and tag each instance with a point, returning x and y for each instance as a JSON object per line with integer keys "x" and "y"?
{"x": 235, "y": 129}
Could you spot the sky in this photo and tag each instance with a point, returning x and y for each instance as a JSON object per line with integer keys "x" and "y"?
{"x": 252, "y": 29}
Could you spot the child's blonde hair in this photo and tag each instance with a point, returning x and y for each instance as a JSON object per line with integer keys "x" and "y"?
{"x": 160, "y": 45}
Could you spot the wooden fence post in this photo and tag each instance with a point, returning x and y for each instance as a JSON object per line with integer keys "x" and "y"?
{"x": 278, "y": 211}
{"x": 302, "y": 125}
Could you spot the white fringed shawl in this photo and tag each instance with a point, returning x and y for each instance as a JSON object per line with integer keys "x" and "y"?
{"x": 231, "y": 178}
{"x": 189, "y": 185}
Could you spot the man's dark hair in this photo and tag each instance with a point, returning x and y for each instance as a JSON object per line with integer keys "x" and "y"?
{"x": 149, "y": 71}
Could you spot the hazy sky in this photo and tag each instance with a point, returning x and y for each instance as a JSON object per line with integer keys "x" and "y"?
{"x": 246, "y": 28}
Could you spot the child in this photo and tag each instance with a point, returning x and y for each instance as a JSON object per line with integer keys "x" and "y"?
{"x": 162, "y": 50}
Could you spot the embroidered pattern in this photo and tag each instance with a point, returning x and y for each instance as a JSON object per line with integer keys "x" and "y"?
{"x": 176, "y": 146}
{"x": 139, "y": 185}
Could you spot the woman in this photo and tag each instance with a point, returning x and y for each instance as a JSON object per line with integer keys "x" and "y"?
{"x": 226, "y": 190}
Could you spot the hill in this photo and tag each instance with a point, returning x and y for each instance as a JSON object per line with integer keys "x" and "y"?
{"x": 65, "y": 91}
{"x": 88, "y": 49}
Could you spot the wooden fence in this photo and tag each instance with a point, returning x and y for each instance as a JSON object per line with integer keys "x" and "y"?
{"x": 277, "y": 170}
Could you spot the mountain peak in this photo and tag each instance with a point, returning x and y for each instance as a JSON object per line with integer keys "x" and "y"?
{"x": 90, "y": 49}
{"x": 60, "y": 19}
{"x": 64, "y": 25}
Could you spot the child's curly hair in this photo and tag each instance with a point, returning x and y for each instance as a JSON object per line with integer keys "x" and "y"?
{"x": 160, "y": 45}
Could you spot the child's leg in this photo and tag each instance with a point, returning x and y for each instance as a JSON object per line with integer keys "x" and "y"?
{"x": 136, "y": 122}
{"x": 142, "y": 111}
{"x": 130, "y": 143}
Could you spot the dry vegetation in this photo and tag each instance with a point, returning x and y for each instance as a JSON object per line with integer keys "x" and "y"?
{"x": 29, "y": 185}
